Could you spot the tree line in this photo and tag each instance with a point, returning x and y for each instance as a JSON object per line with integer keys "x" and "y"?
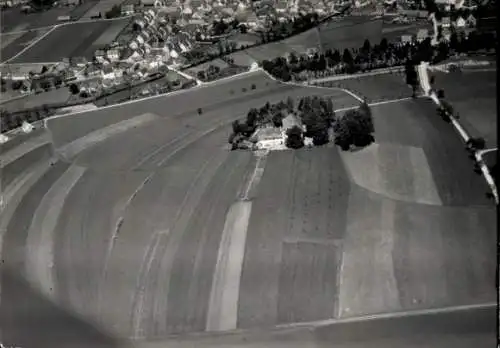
{"x": 381, "y": 55}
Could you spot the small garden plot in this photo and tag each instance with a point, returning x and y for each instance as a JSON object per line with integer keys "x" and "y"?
{"x": 268, "y": 51}
{"x": 219, "y": 63}
{"x": 174, "y": 77}
{"x": 244, "y": 39}
{"x": 241, "y": 58}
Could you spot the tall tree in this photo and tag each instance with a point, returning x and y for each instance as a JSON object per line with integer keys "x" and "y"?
{"x": 366, "y": 46}
{"x": 294, "y": 139}
{"x": 347, "y": 57}
{"x": 383, "y": 45}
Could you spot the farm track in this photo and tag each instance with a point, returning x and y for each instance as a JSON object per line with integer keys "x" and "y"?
{"x": 132, "y": 243}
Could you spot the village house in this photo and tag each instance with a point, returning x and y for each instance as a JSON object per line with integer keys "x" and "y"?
{"x": 127, "y": 10}
{"x": 422, "y": 34}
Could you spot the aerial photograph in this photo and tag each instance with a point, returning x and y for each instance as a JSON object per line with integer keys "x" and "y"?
{"x": 248, "y": 174}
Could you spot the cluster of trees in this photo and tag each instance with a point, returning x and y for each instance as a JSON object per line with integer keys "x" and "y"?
{"x": 276, "y": 31}
{"x": 268, "y": 114}
{"x": 367, "y": 57}
{"x": 354, "y": 128}
{"x": 114, "y": 12}
{"x": 220, "y": 27}
{"x": 316, "y": 114}
{"x": 380, "y": 55}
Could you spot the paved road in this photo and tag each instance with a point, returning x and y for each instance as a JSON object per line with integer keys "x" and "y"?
{"x": 125, "y": 227}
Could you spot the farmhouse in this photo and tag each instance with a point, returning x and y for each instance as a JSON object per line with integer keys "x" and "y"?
{"x": 269, "y": 138}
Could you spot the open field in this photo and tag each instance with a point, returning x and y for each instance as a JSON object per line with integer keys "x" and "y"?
{"x": 101, "y": 6}
{"x": 14, "y": 20}
{"x": 60, "y": 95}
{"x": 473, "y": 94}
{"x": 350, "y": 33}
{"x": 375, "y": 88}
{"x": 72, "y": 40}
{"x": 15, "y": 43}
{"x": 140, "y": 212}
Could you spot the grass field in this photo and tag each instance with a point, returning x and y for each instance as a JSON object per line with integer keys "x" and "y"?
{"x": 15, "y": 43}
{"x": 474, "y": 95}
{"x": 350, "y": 33}
{"x": 74, "y": 40}
{"x": 14, "y": 20}
{"x": 375, "y": 88}
{"x": 100, "y": 6}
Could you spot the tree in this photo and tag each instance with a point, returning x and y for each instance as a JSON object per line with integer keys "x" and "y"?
{"x": 294, "y": 139}
{"x": 278, "y": 119}
{"x": 114, "y": 12}
{"x": 293, "y": 58}
{"x": 290, "y": 104}
{"x": 236, "y": 127}
{"x": 383, "y": 45}
{"x": 454, "y": 45}
{"x": 74, "y": 89}
{"x": 252, "y": 116}
{"x": 201, "y": 75}
{"x": 343, "y": 137}
{"x": 366, "y": 46}
{"x": 355, "y": 127}
{"x": 347, "y": 57}
{"x": 366, "y": 117}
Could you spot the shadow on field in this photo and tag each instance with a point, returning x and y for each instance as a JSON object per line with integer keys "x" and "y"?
{"x": 31, "y": 320}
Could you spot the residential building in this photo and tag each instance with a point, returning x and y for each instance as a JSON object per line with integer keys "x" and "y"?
{"x": 422, "y": 34}
{"x": 406, "y": 39}
{"x": 269, "y": 138}
{"x": 127, "y": 10}
{"x": 446, "y": 22}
